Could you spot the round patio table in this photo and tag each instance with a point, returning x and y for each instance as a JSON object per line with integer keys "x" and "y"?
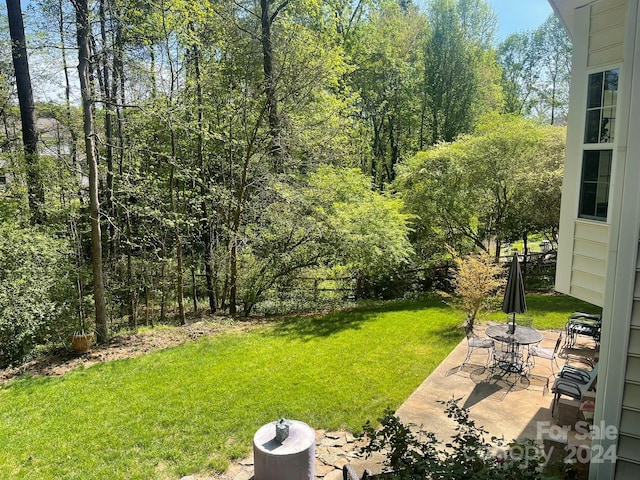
{"x": 522, "y": 335}
{"x": 511, "y": 359}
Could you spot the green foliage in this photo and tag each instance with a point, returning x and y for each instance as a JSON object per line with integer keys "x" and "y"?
{"x": 33, "y": 286}
{"x": 456, "y": 58}
{"x": 335, "y": 220}
{"x": 536, "y": 69}
{"x": 412, "y": 454}
{"x": 500, "y": 183}
{"x": 476, "y": 282}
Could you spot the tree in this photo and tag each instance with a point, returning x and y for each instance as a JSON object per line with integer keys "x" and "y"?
{"x": 536, "y": 69}
{"x": 27, "y": 111}
{"x": 519, "y": 57}
{"x": 332, "y": 220}
{"x": 555, "y": 63}
{"x": 84, "y": 59}
{"x": 385, "y": 54}
{"x": 475, "y": 281}
{"x": 485, "y": 187}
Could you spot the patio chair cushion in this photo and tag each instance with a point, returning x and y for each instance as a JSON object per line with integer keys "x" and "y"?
{"x": 572, "y": 388}
{"x": 578, "y": 375}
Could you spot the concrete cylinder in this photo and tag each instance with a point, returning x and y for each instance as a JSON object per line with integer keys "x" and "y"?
{"x": 293, "y": 459}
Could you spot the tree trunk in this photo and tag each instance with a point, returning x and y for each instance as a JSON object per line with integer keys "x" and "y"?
{"x": 525, "y": 248}
{"x": 83, "y": 32}
{"x": 205, "y": 221}
{"x": 35, "y": 188}
{"x": 194, "y": 290}
{"x": 275, "y": 130}
{"x": 108, "y": 95}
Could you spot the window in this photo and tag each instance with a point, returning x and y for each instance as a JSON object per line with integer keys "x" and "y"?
{"x": 600, "y": 122}
{"x": 602, "y": 95}
{"x": 594, "y": 186}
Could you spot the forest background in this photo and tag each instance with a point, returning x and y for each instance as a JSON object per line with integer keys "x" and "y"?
{"x": 262, "y": 156}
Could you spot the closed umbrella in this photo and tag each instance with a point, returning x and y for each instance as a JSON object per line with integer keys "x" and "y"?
{"x": 514, "y": 301}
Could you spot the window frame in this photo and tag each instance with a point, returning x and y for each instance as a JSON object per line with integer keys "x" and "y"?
{"x": 599, "y": 146}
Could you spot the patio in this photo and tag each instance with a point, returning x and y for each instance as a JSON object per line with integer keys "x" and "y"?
{"x": 520, "y": 410}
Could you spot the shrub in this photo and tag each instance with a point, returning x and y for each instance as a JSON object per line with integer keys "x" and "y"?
{"x": 468, "y": 456}
{"x": 33, "y": 279}
{"x": 476, "y": 281}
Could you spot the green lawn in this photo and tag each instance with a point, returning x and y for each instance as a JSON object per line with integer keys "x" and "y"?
{"x": 192, "y": 408}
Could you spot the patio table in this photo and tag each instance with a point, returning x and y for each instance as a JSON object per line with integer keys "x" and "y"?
{"x": 513, "y": 361}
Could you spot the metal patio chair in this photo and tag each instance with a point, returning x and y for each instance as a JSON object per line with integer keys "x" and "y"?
{"x": 474, "y": 342}
{"x": 550, "y": 354}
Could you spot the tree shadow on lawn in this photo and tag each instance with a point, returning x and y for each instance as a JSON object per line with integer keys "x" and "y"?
{"x": 324, "y": 325}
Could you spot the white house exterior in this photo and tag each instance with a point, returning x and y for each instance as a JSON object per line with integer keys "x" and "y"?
{"x": 598, "y": 257}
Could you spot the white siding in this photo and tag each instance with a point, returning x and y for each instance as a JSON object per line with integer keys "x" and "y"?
{"x": 588, "y": 267}
{"x": 606, "y": 32}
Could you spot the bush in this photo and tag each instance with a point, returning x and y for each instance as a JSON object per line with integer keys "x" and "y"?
{"x": 475, "y": 283}
{"x": 466, "y": 457}
{"x": 33, "y": 279}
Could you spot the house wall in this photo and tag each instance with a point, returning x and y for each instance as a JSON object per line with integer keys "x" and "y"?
{"x": 618, "y": 393}
{"x": 606, "y": 32}
{"x": 598, "y": 39}
{"x": 600, "y": 261}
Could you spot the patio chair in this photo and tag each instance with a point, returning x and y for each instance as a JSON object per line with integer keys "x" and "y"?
{"x": 507, "y": 356}
{"x": 550, "y": 354}
{"x": 524, "y": 322}
{"x": 578, "y": 375}
{"x": 585, "y": 324}
{"x": 474, "y": 342}
{"x": 573, "y": 385}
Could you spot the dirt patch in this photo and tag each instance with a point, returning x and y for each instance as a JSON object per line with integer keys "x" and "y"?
{"x": 125, "y": 345}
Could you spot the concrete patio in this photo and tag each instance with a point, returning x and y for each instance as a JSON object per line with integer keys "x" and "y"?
{"x": 507, "y": 405}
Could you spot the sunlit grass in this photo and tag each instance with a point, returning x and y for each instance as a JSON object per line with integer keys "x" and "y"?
{"x": 193, "y": 408}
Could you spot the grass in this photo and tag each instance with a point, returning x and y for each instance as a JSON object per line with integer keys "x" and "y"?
{"x": 549, "y": 311}
{"x": 193, "y": 408}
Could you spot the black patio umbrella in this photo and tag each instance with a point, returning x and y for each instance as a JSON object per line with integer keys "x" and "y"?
{"x": 514, "y": 301}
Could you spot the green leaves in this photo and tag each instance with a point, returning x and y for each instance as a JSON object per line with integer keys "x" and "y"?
{"x": 500, "y": 183}
{"x": 33, "y": 288}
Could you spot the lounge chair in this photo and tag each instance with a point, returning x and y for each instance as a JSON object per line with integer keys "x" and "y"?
{"x": 573, "y": 384}
{"x": 586, "y": 324}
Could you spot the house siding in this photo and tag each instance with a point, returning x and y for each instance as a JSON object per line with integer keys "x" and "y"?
{"x": 588, "y": 266}
{"x": 606, "y": 32}
{"x": 628, "y": 451}
{"x": 600, "y": 262}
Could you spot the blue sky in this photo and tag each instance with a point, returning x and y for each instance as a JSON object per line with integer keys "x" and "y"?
{"x": 519, "y": 15}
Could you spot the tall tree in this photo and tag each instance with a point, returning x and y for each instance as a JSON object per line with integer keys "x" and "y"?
{"x": 519, "y": 56}
{"x": 486, "y": 187}
{"x": 385, "y": 75}
{"x": 267, "y": 17}
{"x": 454, "y": 56}
{"x": 555, "y": 63}
{"x": 83, "y": 35}
{"x": 27, "y": 110}
{"x": 536, "y": 69}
